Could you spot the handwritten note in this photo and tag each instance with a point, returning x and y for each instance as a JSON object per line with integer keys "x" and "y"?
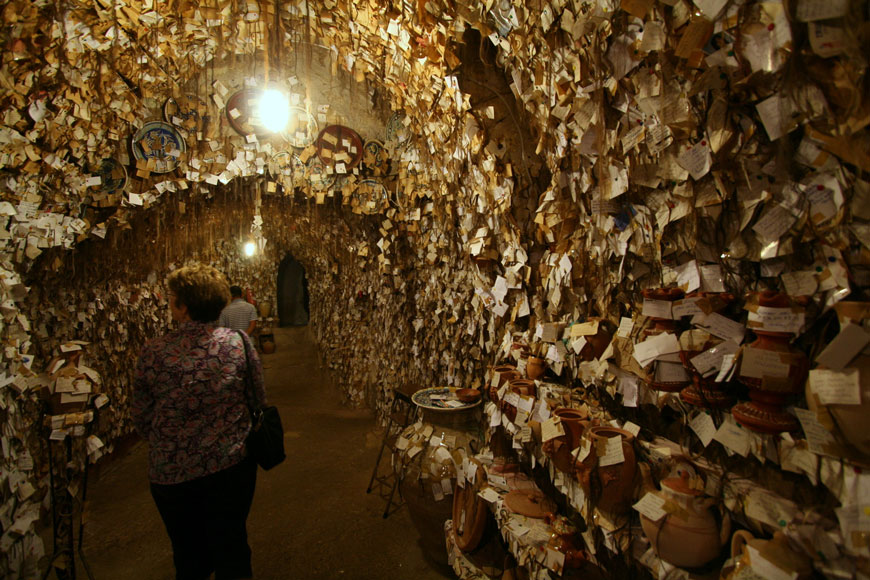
{"x": 836, "y": 387}
{"x": 703, "y": 427}
{"x": 733, "y": 437}
{"x": 652, "y": 506}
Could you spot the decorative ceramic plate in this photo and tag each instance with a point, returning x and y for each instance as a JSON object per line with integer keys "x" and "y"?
{"x": 318, "y": 176}
{"x": 372, "y": 190}
{"x": 441, "y": 399}
{"x": 241, "y": 112}
{"x": 112, "y": 174}
{"x": 337, "y": 144}
{"x": 302, "y": 128}
{"x": 160, "y": 142}
{"x": 375, "y": 158}
{"x": 396, "y": 130}
{"x": 187, "y": 111}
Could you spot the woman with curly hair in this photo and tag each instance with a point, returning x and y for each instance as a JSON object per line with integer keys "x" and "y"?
{"x": 191, "y": 405}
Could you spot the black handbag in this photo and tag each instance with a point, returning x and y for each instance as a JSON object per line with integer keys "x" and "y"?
{"x": 265, "y": 442}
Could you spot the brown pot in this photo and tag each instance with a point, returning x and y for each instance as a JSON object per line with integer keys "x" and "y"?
{"x": 598, "y": 342}
{"x": 766, "y": 411}
{"x": 574, "y": 422}
{"x": 692, "y": 537}
{"x": 535, "y": 367}
{"x": 429, "y": 468}
{"x": 523, "y": 387}
{"x": 506, "y": 373}
{"x": 617, "y": 481}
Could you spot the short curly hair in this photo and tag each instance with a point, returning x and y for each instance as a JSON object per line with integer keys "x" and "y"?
{"x": 203, "y": 289}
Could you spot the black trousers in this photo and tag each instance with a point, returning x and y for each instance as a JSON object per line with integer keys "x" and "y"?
{"x": 205, "y": 519}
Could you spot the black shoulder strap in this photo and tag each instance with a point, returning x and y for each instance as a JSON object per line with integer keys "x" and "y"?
{"x": 249, "y": 387}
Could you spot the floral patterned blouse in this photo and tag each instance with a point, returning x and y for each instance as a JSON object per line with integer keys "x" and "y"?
{"x": 189, "y": 401}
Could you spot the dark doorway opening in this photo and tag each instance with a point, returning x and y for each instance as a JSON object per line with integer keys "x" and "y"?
{"x": 292, "y": 293}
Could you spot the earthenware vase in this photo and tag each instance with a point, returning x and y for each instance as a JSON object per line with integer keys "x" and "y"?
{"x": 765, "y": 412}
{"x": 616, "y": 482}
{"x": 535, "y": 367}
{"x": 692, "y": 536}
{"x": 422, "y": 484}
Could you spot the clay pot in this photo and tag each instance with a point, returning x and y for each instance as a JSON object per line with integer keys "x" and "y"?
{"x": 574, "y": 422}
{"x": 457, "y": 429}
{"x": 265, "y": 308}
{"x": 694, "y": 537}
{"x": 766, "y": 410}
{"x": 776, "y": 551}
{"x": 597, "y": 343}
{"x": 617, "y": 481}
{"x": 268, "y": 346}
{"x": 523, "y": 387}
{"x": 851, "y": 420}
{"x": 535, "y": 367}
{"x": 506, "y": 373}
{"x": 468, "y": 395}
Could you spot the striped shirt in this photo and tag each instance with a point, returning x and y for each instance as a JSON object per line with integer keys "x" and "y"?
{"x": 237, "y": 315}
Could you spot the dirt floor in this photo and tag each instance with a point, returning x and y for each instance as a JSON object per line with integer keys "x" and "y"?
{"x": 311, "y": 517}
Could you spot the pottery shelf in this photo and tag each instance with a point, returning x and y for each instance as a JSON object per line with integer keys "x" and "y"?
{"x": 757, "y": 503}
{"x": 527, "y": 538}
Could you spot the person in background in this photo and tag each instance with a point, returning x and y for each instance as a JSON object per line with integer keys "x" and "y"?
{"x": 190, "y": 403}
{"x": 239, "y": 314}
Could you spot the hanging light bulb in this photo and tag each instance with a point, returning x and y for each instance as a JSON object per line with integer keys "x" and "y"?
{"x": 274, "y": 110}
{"x": 250, "y": 248}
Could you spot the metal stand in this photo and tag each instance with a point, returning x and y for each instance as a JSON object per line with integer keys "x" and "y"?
{"x": 402, "y": 412}
{"x": 64, "y": 505}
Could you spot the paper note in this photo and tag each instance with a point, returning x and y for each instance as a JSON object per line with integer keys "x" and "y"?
{"x": 657, "y": 308}
{"x": 652, "y": 506}
{"x": 613, "y": 452}
{"x": 632, "y": 428}
{"x": 647, "y": 351}
{"x": 710, "y": 361}
{"x": 626, "y": 324}
{"x": 720, "y": 326}
{"x": 703, "y": 427}
{"x": 846, "y": 345}
{"x": 733, "y": 437}
{"x": 776, "y": 319}
{"x": 819, "y": 440}
{"x": 551, "y": 428}
{"x": 774, "y": 223}
{"x": 757, "y": 363}
{"x": 696, "y": 160}
{"x": 836, "y": 387}
{"x": 686, "y": 307}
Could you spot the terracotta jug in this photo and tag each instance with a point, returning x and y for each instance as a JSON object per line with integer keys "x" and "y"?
{"x": 617, "y": 482}
{"x": 456, "y": 433}
{"x": 535, "y": 367}
{"x": 506, "y": 373}
{"x": 523, "y": 387}
{"x": 574, "y": 422}
{"x": 775, "y": 551}
{"x": 693, "y": 538}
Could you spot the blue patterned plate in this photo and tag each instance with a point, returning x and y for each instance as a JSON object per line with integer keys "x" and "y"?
{"x": 161, "y": 142}
{"x": 441, "y": 399}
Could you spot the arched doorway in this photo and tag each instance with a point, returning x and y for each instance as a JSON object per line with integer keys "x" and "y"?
{"x": 292, "y": 293}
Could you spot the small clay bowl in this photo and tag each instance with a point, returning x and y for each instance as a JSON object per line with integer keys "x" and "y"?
{"x": 468, "y": 395}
